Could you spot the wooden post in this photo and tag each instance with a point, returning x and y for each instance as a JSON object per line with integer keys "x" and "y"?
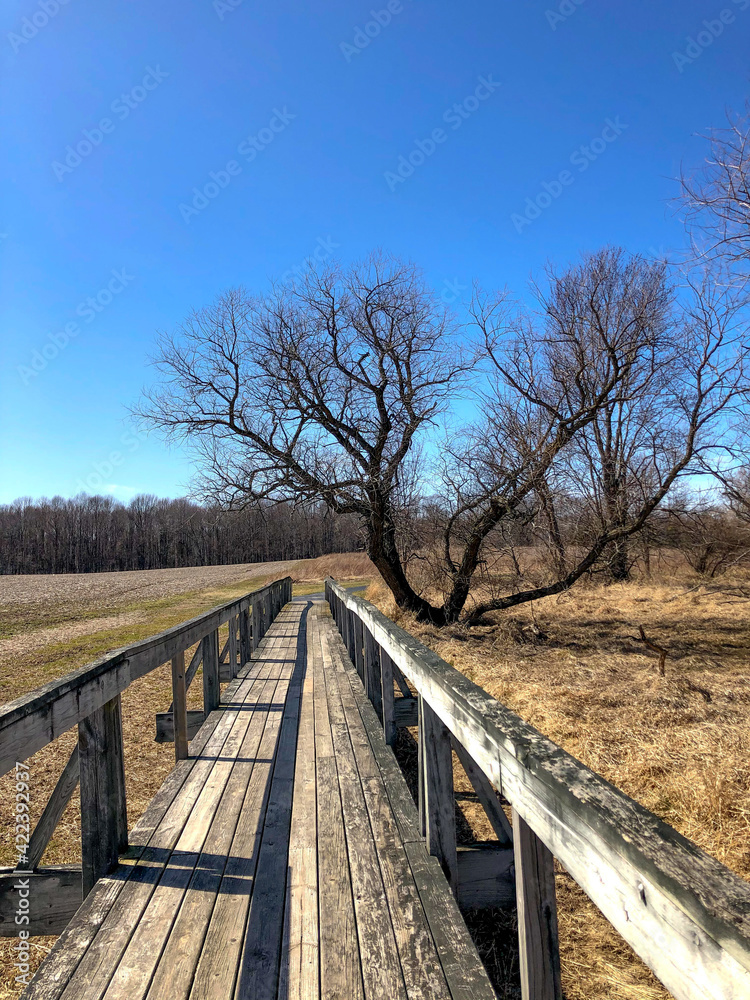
{"x": 372, "y": 672}
{"x": 347, "y": 623}
{"x": 359, "y": 653}
{"x": 179, "y": 707}
{"x": 233, "y": 647}
{"x": 350, "y": 640}
{"x": 104, "y": 820}
{"x": 537, "y": 915}
{"x": 257, "y": 632}
{"x": 386, "y": 696}
{"x": 246, "y": 641}
{"x": 437, "y": 802}
{"x": 211, "y": 685}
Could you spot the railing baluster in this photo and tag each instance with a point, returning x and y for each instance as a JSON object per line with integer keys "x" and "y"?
{"x": 350, "y": 639}
{"x": 386, "y": 696}
{"x": 246, "y": 643}
{"x": 233, "y": 647}
{"x": 104, "y": 824}
{"x": 372, "y": 672}
{"x": 254, "y": 614}
{"x": 179, "y": 707}
{"x": 211, "y": 685}
{"x": 537, "y": 915}
{"x": 359, "y": 658}
{"x": 437, "y": 803}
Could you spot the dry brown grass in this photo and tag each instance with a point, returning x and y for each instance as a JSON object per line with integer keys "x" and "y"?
{"x": 576, "y": 669}
{"x": 53, "y": 624}
{"x": 340, "y": 565}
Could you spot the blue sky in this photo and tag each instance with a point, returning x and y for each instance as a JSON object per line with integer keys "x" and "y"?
{"x": 561, "y": 126}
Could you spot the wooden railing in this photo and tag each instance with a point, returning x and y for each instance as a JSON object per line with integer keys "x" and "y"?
{"x": 686, "y": 915}
{"x": 90, "y": 698}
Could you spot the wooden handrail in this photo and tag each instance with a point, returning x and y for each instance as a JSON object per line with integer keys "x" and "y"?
{"x": 684, "y": 913}
{"x": 39, "y": 717}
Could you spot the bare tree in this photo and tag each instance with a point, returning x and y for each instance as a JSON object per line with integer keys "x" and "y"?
{"x": 619, "y": 395}
{"x": 717, "y": 198}
{"x": 712, "y": 540}
{"x": 319, "y": 391}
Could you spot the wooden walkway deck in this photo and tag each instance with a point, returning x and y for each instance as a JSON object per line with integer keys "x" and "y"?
{"x": 282, "y": 859}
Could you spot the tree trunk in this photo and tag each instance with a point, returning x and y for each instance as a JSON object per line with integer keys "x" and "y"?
{"x": 383, "y": 551}
{"x": 619, "y": 564}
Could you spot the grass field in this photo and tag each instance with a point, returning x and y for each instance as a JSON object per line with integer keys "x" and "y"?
{"x": 574, "y": 667}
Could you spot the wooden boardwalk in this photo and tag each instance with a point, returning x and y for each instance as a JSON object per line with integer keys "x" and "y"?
{"x": 283, "y": 858}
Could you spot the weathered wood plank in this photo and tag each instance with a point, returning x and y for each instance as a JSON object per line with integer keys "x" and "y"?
{"x": 299, "y": 973}
{"x": 58, "y": 801}
{"x": 52, "y": 895}
{"x": 461, "y": 963}
{"x": 485, "y": 876}
{"x": 259, "y": 967}
{"x": 381, "y": 966}
{"x": 165, "y": 725}
{"x": 104, "y": 825}
{"x": 340, "y": 972}
{"x": 539, "y": 949}
{"x": 420, "y": 964}
{"x": 405, "y": 712}
{"x": 217, "y": 969}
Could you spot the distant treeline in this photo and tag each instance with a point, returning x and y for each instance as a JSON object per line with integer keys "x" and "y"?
{"x": 90, "y": 534}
